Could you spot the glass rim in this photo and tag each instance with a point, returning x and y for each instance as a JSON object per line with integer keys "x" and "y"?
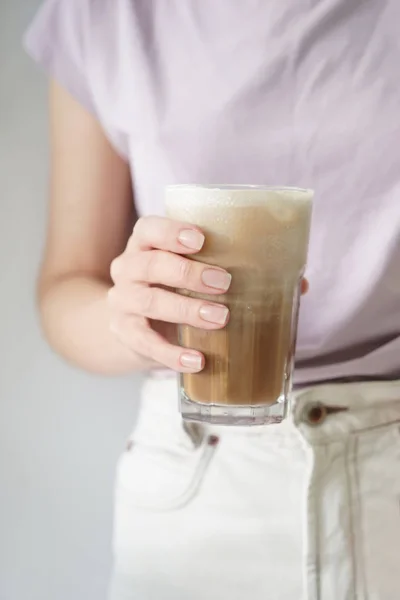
{"x": 238, "y": 187}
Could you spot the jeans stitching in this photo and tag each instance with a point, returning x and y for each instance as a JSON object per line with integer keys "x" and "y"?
{"x": 349, "y": 450}
{"x": 339, "y": 437}
{"x": 318, "y": 555}
{"x": 313, "y": 515}
{"x": 206, "y": 452}
{"x": 358, "y": 495}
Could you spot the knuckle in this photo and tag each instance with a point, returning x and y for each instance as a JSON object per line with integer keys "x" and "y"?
{"x": 144, "y": 231}
{"x": 143, "y": 343}
{"x": 166, "y": 233}
{"x": 116, "y": 268}
{"x": 149, "y": 265}
{"x": 157, "y": 229}
{"x": 146, "y": 301}
{"x": 184, "y": 270}
{"x": 184, "y": 309}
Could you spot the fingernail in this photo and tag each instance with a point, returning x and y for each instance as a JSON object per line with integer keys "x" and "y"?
{"x": 221, "y": 280}
{"x": 191, "y": 238}
{"x": 191, "y": 361}
{"x": 214, "y": 313}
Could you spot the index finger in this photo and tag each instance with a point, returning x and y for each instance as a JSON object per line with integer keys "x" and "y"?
{"x": 162, "y": 233}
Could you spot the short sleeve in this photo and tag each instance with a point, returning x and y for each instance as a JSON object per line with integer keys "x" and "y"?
{"x": 56, "y": 41}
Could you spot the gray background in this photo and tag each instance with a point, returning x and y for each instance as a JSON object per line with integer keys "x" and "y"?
{"x": 60, "y": 430}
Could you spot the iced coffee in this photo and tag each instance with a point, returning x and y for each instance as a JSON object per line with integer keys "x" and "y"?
{"x": 259, "y": 235}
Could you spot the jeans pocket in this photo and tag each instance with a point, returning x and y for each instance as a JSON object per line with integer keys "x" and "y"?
{"x": 165, "y": 472}
{"x": 376, "y": 511}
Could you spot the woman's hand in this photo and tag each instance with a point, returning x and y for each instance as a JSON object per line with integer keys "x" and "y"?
{"x": 91, "y": 219}
{"x": 152, "y": 262}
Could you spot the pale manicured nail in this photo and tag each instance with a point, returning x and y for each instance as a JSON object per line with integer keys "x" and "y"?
{"x": 191, "y": 361}
{"x": 214, "y": 313}
{"x": 191, "y": 239}
{"x": 220, "y": 280}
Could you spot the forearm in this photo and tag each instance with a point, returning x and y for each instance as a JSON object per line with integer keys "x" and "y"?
{"x": 75, "y": 320}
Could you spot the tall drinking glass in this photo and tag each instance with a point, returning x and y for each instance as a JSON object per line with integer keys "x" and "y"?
{"x": 259, "y": 235}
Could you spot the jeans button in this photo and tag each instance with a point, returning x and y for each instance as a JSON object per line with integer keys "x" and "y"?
{"x": 315, "y": 414}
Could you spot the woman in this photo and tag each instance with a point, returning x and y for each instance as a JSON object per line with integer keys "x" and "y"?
{"x": 149, "y": 92}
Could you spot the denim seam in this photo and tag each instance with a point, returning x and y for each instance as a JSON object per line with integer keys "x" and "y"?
{"x": 358, "y": 497}
{"x": 350, "y": 453}
{"x": 313, "y": 527}
{"x": 340, "y": 435}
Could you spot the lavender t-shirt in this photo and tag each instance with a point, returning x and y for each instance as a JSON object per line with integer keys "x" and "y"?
{"x": 294, "y": 92}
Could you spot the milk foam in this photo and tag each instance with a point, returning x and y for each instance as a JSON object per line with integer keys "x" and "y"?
{"x": 281, "y": 202}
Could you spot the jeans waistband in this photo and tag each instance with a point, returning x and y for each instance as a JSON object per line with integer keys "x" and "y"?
{"x": 321, "y": 412}
{"x": 354, "y": 406}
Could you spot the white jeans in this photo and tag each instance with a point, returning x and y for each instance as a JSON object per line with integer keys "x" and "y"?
{"x": 305, "y": 510}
